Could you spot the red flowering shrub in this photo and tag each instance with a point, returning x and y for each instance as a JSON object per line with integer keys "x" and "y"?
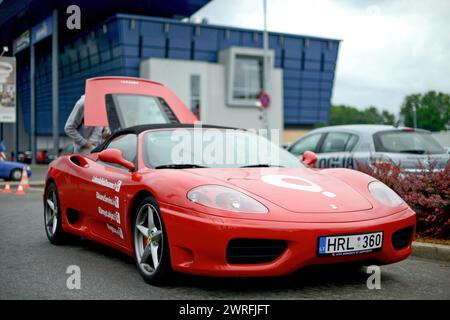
{"x": 426, "y": 192}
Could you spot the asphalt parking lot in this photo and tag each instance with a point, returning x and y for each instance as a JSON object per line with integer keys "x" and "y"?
{"x": 32, "y": 268}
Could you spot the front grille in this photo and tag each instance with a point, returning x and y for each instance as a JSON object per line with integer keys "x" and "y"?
{"x": 252, "y": 251}
{"x": 402, "y": 238}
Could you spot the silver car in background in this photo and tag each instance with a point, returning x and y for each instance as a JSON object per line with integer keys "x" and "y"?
{"x": 353, "y": 146}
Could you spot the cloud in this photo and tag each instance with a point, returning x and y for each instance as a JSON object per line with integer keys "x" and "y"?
{"x": 390, "y": 48}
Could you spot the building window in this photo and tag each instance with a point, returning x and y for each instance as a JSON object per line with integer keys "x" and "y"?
{"x": 132, "y": 24}
{"x": 244, "y": 74}
{"x": 306, "y": 43}
{"x": 322, "y": 62}
{"x": 247, "y": 82}
{"x": 195, "y": 94}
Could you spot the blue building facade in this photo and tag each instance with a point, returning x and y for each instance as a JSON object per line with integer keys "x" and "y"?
{"x": 117, "y": 46}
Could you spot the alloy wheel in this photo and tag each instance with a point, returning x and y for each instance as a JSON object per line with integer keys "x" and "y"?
{"x": 148, "y": 239}
{"x": 51, "y": 212}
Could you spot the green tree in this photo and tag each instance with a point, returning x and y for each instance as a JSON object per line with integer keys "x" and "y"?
{"x": 432, "y": 110}
{"x": 388, "y": 118}
{"x": 343, "y": 114}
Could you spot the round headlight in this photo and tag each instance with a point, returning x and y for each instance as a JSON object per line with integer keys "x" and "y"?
{"x": 384, "y": 194}
{"x": 224, "y": 198}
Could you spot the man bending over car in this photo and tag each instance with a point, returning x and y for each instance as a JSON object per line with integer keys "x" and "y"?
{"x": 84, "y": 138}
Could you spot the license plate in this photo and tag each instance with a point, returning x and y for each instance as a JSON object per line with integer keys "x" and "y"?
{"x": 342, "y": 245}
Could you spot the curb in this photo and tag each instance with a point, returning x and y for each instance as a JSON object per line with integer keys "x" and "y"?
{"x": 431, "y": 251}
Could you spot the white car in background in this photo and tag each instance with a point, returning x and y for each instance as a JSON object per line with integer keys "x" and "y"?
{"x": 352, "y": 146}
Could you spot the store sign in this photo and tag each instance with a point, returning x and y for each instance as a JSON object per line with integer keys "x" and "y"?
{"x": 7, "y": 89}
{"x": 42, "y": 30}
{"x": 22, "y": 42}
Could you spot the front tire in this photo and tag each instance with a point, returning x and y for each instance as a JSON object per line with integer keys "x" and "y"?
{"x": 52, "y": 216}
{"x": 151, "y": 246}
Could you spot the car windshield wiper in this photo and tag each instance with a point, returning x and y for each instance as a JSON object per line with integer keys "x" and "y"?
{"x": 179, "y": 166}
{"x": 417, "y": 151}
{"x": 261, "y": 165}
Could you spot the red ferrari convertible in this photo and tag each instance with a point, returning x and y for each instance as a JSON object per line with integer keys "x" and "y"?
{"x": 212, "y": 200}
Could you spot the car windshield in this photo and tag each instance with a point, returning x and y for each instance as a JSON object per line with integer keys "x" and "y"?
{"x": 213, "y": 148}
{"x": 417, "y": 142}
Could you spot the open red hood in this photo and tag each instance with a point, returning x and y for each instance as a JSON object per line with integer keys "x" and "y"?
{"x": 299, "y": 190}
{"x": 95, "y": 112}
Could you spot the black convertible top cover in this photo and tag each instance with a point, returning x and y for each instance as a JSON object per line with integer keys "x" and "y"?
{"x": 141, "y": 128}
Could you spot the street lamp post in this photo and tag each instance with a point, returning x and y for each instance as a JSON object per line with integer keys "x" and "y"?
{"x": 32, "y": 105}
{"x": 265, "y": 84}
{"x": 55, "y": 84}
{"x": 5, "y": 49}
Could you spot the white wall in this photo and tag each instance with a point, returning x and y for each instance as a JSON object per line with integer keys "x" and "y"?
{"x": 175, "y": 74}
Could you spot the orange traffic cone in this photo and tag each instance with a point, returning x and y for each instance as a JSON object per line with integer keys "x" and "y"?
{"x": 25, "y": 182}
{"x": 20, "y": 191}
{"x": 7, "y": 187}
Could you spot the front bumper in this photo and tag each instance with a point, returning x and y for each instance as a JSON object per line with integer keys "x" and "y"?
{"x": 198, "y": 242}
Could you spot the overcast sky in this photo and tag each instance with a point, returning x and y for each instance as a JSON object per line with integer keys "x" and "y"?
{"x": 390, "y": 48}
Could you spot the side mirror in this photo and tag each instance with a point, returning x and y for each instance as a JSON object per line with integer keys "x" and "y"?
{"x": 115, "y": 156}
{"x": 309, "y": 158}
